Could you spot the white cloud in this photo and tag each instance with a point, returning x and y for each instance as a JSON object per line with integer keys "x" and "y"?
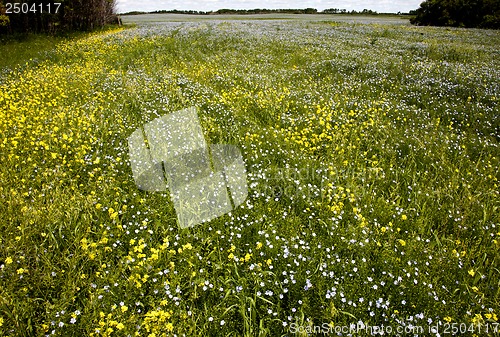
{"x": 206, "y": 5}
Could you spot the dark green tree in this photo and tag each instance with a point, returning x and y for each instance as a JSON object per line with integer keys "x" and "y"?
{"x": 45, "y": 16}
{"x": 458, "y": 13}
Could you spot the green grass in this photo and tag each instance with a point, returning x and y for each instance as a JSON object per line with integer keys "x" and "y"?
{"x": 17, "y": 49}
{"x": 372, "y": 159}
{"x": 20, "y": 49}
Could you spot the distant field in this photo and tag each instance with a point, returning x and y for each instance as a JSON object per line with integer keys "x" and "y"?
{"x": 371, "y": 152}
{"x": 159, "y": 18}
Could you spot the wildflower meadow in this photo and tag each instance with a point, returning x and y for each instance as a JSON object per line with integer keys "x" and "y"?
{"x": 371, "y": 153}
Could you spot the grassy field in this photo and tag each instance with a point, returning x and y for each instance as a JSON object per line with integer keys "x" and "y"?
{"x": 354, "y": 18}
{"x": 372, "y": 155}
{"x": 19, "y": 49}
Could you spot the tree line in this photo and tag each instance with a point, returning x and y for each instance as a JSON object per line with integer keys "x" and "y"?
{"x": 259, "y": 11}
{"x": 43, "y": 16}
{"x": 458, "y": 13}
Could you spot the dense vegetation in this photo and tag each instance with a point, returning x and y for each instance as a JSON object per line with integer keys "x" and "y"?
{"x": 459, "y": 13}
{"x": 44, "y": 16}
{"x": 372, "y": 155}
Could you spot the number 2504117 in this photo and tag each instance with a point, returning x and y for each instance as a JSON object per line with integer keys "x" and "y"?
{"x": 25, "y": 8}
{"x": 462, "y": 328}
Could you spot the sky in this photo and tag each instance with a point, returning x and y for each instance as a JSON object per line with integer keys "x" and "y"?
{"x": 381, "y": 6}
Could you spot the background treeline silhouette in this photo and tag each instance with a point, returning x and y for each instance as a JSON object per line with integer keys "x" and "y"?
{"x": 458, "y": 13}
{"x": 72, "y": 15}
{"x": 259, "y": 11}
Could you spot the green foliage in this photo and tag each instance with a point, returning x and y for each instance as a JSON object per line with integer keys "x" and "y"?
{"x": 44, "y": 16}
{"x": 458, "y": 13}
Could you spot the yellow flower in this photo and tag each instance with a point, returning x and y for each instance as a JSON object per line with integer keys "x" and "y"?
{"x": 120, "y": 326}
{"x": 124, "y": 308}
{"x": 259, "y": 245}
{"x": 248, "y": 257}
{"x": 402, "y": 242}
{"x": 477, "y": 318}
{"x": 448, "y": 319}
{"x": 472, "y": 272}
{"x": 404, "y": 217}
{"x": 8, "y": 260}
{"x": 230, "y": 256}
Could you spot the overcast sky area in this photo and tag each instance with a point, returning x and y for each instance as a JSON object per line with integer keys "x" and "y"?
{"x": 381, "y": 6}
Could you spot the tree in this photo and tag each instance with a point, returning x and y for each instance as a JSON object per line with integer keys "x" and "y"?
{"x": 310, "y": 11}
{"x": 458, "y": 13}
{"x": 4, "y": 19}
{"x": 44, "y": 16}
